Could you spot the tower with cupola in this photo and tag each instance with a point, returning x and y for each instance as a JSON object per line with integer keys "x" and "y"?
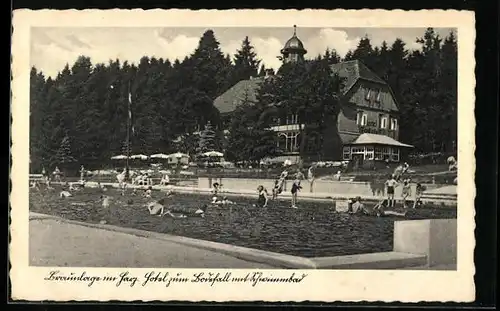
{"x": 293, "y": 51}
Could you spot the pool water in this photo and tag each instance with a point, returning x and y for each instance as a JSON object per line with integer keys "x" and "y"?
{"x": 312, "y": 230}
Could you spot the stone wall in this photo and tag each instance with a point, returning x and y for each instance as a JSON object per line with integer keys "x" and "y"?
{"x": 435, "y": 238}
{"x": 319, "y": 186}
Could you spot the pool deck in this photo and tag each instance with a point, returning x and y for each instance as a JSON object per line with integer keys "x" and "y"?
{"x": 444, "y": 197}
{"x": 60, "y": 242}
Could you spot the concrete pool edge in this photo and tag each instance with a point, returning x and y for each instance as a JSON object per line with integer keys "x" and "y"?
{"x": 383, "y": 260}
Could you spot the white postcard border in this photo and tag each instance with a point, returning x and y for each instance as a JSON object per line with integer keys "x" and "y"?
{"x": 320, "y": 285}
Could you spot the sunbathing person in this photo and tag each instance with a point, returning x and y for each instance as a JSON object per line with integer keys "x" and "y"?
{"x": 380, "y": 210}
{"x": 200, "y": 212}
{"x": 224, "y": 201}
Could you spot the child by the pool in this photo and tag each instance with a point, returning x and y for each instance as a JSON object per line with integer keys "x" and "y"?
{"x": 215, "y": 188}
{"x": 262, "y": 199}
{"x": 391, "y": 184}
{"x": 295, "y": 189}
{"x": 278, "y": 187}
{"x": 406, "y": 191}
{"x": 418, "y": 195}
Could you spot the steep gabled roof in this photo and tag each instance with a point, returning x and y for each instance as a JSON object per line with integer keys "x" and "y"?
{"x": 354, "y": 70}
{"x": 229, "y": 100}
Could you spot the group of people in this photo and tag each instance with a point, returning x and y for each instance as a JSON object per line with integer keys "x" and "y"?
{"x": 279, "y": 185}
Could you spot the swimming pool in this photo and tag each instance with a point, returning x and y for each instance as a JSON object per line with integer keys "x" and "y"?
{"x": 312, "y": 230}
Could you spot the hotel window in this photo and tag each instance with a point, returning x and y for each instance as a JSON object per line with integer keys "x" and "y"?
{"x": 288, "y": 142}
{"x": 364, "y": 119}
{"x": 357, "y": 150}
{"x": 394, "y": 124}
{"x": 386, "y": 152}
{"x": 383, "y": 122}
{"x": 378, "y": 153}
{"x": 292, "y": 119}
{"x": 346, "y": 151}
{"x": 358, "y": 117}
{"x": 369, "y": 153}
{"x": 395, "y": 155}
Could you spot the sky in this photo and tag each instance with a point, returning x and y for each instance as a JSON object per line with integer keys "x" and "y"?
{"x": 52, "y": 48}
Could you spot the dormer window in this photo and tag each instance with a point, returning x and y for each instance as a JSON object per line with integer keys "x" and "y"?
{"x": 379, "y": 95}
{"x": 368, "y": 95}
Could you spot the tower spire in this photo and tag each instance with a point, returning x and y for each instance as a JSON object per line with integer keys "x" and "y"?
{"x": 294, "y": 30}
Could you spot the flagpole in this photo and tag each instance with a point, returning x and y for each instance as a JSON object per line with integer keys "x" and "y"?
{"x": 127, "y": 173}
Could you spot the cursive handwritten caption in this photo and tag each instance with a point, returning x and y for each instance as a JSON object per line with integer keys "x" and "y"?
{"x": 158, "y": 277}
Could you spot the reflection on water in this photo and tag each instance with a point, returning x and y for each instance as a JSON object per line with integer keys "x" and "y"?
{"x": 312, "y": 230}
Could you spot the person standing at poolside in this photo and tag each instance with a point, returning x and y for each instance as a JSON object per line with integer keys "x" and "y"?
{"x": 57, "y": 174}
{"x": 406, "y": 191}
{"x": 295, "y": 189}
{"x": 391, "y": 184}
{"x": 310, "y": 177}
{"x": 215, "y": 189}
{"x": 262, "y": 199}
{"x": 418, "y": 194}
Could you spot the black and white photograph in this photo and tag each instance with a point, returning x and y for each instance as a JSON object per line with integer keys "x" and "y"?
{"x": 295, "y": 148}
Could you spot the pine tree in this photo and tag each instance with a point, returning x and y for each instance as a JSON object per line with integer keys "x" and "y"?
{"x": 448, "y": 83}
{"x": 365, "y": 53}
{"x": 207, "y": 139}
{"x": 246, "y": 64}
{"x": 331, "y": 56}
{"x": 262, "y": 71}
{"x": 64, "y": 155}
{"x": 250, "y": 138}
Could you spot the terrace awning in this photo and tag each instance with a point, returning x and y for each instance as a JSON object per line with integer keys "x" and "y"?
{"x": 376, "y": 139}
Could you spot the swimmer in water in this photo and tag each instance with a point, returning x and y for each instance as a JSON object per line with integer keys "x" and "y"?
{"x": 65, "y": 194}
{"x": 356, "y": 206}
{"x": 105, "y": 201}
{"x": 148, "y": 192}
{"x": 156, "y": 208}
{"x": 200, "y": 212}
{"x": 262, "y": 199}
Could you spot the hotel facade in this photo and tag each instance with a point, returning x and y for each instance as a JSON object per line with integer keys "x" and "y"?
{"x": 365, "y": 132}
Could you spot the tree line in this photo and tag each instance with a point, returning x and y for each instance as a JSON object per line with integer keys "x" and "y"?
{"x": 79, "y": 116}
